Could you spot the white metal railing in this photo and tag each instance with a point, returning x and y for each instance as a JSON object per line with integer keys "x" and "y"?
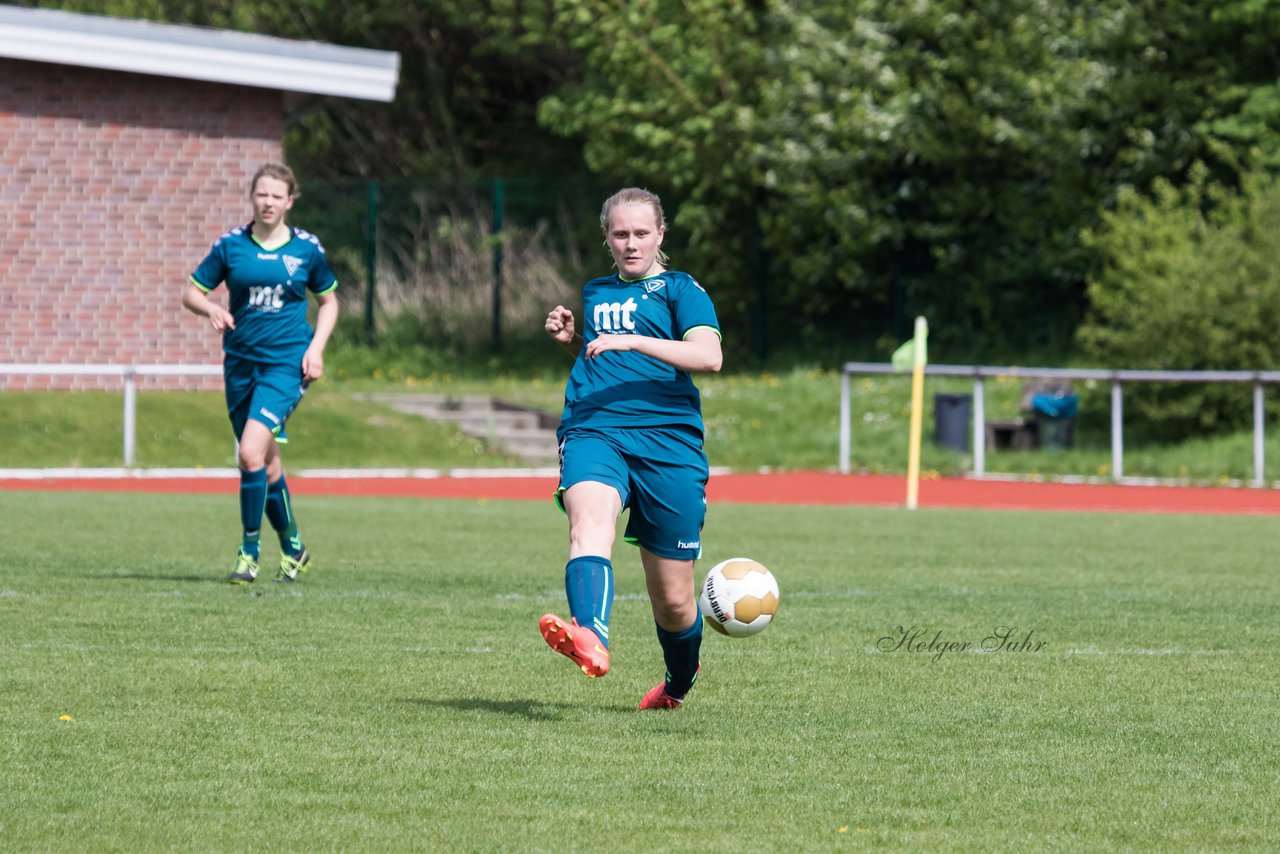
{"x": 129, "y": 377}
{"x": 1116, "y": 378}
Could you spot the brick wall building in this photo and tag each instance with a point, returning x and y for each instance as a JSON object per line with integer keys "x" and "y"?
{"x": 114, "y": 187}
{"x": 114, "y": 183}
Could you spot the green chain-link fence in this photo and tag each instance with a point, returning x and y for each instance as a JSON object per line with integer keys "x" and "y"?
{"x": 471, "y": 258}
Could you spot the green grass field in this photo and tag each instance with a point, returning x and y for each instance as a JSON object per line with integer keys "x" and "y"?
{"x": 400, "y": 697}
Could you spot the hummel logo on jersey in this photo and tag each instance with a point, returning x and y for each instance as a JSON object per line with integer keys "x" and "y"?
{"x": 267, "y": 256}
{"x": 291, "y": 264}
{"x": 681, "y": 544}
{"x": 613, "y": 316}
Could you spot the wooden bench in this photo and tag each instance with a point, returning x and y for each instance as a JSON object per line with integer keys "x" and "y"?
{"x": 1023, "y": 433}
{"x": 1013, "y": 434}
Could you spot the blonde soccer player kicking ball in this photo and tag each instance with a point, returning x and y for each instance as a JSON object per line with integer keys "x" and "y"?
{"x": 631, "y": 438}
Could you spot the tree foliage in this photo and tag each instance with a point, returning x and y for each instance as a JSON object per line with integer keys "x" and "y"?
{"x": 1190, "y": 283}
{"x": 935, "y": 158}
{"x": 876, "y": 159}
{"x": 660, "y": 103}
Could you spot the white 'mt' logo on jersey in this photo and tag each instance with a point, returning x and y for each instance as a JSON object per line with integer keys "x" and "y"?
{"x": 615, "y": 316}
{"x": 267, "y": 298}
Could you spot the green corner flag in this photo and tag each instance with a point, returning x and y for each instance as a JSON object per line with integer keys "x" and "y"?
{"x": 904, "y": 358}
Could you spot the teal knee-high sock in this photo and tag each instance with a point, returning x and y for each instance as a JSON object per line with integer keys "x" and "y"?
{"x": 680, "y": 652}
{"x": 280, "y": 514}
{"x": 588, "y": 582}
{"x": 253, "y": 499}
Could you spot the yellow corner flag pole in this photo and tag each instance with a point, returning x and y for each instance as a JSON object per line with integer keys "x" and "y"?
{"x": 919, "y": 357}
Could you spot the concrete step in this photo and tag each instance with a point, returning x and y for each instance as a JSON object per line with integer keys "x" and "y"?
{"x": 472, "y": 419}
{"x": 519, "y": 430}
{"x": 533, "y": 448}
{"x": 434, "y": 402}
{"x": 520, "y": 441}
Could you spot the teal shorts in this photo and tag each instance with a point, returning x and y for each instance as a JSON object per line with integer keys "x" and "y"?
{"x": 660, "y": 474}
{"x": 266, "y": 393}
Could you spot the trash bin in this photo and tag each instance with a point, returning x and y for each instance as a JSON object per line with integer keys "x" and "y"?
{"x": 952, "y": 414}
{"x": 1056, "y": 419}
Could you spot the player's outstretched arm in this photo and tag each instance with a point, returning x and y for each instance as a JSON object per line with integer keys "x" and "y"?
{"x": 698, "y": 353}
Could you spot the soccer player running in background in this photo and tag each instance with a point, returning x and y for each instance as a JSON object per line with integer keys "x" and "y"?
{"x": 271, "y": 352}
{"x": 631, "y": 437}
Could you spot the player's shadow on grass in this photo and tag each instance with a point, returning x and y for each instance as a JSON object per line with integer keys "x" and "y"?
{"x": 136, "y": 576}
{"x": 534, "y": 710}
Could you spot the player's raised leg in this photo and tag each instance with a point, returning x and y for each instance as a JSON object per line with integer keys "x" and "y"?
{"x": 593, "y": 510}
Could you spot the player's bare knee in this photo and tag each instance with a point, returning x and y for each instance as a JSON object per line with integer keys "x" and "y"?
{"x": 673, "y": 612}
{"x": 587, "y": 538}
{"x": 251, "y": 462}
{"x": 251, "y": 457}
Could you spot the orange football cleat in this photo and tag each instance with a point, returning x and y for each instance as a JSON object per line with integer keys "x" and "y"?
{"x": 658, "y": 698}
{"x": 581, "y": 645}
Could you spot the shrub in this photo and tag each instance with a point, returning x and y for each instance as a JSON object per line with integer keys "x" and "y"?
{"x": 1188, "y": 282}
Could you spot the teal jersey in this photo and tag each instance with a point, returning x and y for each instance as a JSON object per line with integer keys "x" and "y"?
{"x": 268, "y": 291}
{"x": 623, "y": 388}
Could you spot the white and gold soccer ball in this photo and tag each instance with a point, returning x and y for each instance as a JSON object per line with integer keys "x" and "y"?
{"x": 739, "y": 597}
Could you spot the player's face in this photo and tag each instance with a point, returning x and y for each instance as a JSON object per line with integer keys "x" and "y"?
{"x": 634, "y": 238}
{"x": 271, "y": 200}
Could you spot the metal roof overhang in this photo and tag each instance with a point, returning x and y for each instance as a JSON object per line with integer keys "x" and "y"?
{"x": 195, "y": 53}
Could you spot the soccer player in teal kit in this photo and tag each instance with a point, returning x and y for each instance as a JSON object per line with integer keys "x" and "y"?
{"x": 631, "y": 437}
{"x": 271, "y": 352}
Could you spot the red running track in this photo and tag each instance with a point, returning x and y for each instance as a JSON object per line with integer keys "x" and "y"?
{"x": 780, "y": 488}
